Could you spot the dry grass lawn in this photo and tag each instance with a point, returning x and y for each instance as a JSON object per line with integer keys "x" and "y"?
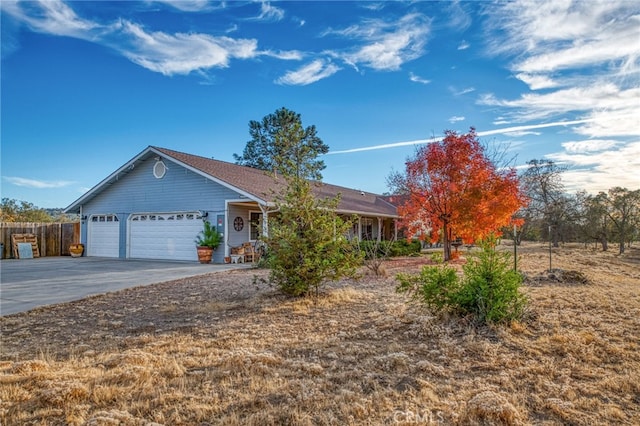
{"x": 226, "y": 349}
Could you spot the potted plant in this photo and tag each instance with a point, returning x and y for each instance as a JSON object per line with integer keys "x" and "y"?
{"x": 207, "y": 241}
{"x": 76, "y": 250}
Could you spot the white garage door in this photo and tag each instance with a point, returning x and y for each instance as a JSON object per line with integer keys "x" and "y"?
{"x": 169, "y": 236}
{"x": 103, "y": 236}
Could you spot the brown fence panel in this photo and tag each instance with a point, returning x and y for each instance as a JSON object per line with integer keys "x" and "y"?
{"x": 53, "y": 238}
{"x": 70, "y": 234}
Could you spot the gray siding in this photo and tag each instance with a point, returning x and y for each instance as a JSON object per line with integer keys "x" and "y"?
{"x": 140, "y": 192}
{"x": 236, "y": 238}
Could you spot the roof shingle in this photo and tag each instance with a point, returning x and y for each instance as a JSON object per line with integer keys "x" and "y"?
{"x": 264, "y": 186}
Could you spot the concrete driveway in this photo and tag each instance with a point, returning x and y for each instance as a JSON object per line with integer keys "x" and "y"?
{"x": 29, "y": 283}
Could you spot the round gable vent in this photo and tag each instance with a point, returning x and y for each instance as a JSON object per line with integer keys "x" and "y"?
{"x": 159, "y": 169}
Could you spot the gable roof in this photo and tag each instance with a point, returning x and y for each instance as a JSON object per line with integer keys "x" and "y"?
{"x": 254, "y": 184}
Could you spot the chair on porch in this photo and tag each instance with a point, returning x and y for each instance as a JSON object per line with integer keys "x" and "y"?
{"x": 250, "y": 254}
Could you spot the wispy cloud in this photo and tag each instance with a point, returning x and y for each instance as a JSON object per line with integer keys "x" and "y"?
{"x": 592, "y": 145}
{"x": 505, "y": 131}
{"x": 418, "y": 79}
{"x": 310, "y": 73}
{"x": 464, "y": 45}
{"x": 52, "y": 17}
{"x": 375, "y": 6}
{"x": 269, "y": 12}
{"x": 383, "y": 146}
{"x": 600, "y": 170}
{"x": 584, "y": 55}
{"x": 189, "y": 5}
{"x": 518, "y": 134}
{"x": 180, "y": 53}
{"x": 604, "y": 103}
{"x": 537, "y": 81}
{"x": 37, "y": 184}
{"x": 455, "y": 119}
{"x": 385, "y": 45}
{"x": 460, "y": 92}
{"x": 158, "y": 51}
{"x": 458, "y": 18}
{"x": 569, "y": 34}
{"x": 285, "y": 55}
{"x": 378, "y": 44}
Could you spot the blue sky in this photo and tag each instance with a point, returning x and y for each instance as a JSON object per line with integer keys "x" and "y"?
{"x": 88, "y": 85}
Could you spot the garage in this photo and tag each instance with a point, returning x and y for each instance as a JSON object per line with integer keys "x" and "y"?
{"x": 168, "y": 236}
{"x": 103, "y": 239}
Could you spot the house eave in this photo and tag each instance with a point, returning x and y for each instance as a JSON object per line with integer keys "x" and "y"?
{"x": 367, "y": 214}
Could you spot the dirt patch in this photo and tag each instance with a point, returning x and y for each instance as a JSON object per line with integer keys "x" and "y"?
{"x": 227, "y": 349}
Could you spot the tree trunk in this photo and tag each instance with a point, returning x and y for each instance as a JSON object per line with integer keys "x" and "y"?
{"x": 447, "y": 243}
{"x": 621, "y": 245}
{"x": 605, "y": 245}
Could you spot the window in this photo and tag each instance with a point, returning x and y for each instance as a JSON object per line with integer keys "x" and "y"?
{"x": 104, "y": 218}
{"x": 256, "y": 225}
{"x": 159, "y": 170}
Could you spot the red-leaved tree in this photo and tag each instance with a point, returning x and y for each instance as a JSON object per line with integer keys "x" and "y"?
{"x": 455, "y": 190}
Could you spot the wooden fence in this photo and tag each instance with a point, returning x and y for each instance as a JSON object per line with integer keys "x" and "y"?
{"x": 54, "y": 239}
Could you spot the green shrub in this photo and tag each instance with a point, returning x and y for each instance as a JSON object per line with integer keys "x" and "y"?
{"x": 386, "y": 249}
{"x": 489, "y": 289}
{"x": 435, "y": 286}
{"x": 306, "y": 244}
{"x": 405, "y": 248}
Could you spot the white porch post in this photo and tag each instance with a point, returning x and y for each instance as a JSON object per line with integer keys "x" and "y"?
{"x": 265, "y": 220}
{"x": 359, "y": 229}
{"x": 379, "y": 229}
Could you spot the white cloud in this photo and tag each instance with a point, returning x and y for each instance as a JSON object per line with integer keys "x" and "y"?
{"x": 383, "y": 146}
{"x": 534, "y": 26}
{"x": 521, "y": 133}
{"x": 457, "y": 92}
{"x": 188, "y": 5}
{"x": 455, "y": 119}
{"x": 51, "y": 17}
{"x": 418, "y": 79}
{"x": 584, "y": 55}
{"x": 464, "y": 45}
{"x": 269, "y": 12}
{"x": 169, "y": 54}
{"x": 593, "y": 145}
{"x": 372, "y": 5}
{"x": 601, "y": 170}
{"x": 608, "y": 107}
{"x": 612, "y": 123}
{"x": 503, "y": 131}
{"x": 537, "y": 81}
{"x": 385, "y": 45}
{"x": 605, "y": 96}
{"x": 310, "y": 73}
{"x": 38, "y": 184}
{"x": 181, "y": 53}
{"x": 288, "y": 55}
{"x": 457, "y": 17}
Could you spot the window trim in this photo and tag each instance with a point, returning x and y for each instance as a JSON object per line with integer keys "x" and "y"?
{"x": 258, "y": 226}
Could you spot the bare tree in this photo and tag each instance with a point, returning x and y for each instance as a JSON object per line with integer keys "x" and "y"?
{"x": 548, "y": 203}
{"x": 623, "y": 208}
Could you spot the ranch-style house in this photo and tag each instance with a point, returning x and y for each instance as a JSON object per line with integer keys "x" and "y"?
{"x": 153, "y": 207}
